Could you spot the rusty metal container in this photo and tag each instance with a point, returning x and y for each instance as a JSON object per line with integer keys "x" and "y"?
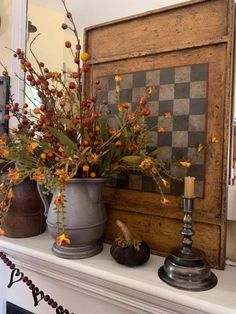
{"x": 26, "y": 216}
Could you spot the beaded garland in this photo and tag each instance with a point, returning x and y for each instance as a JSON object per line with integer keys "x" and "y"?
{"x": 38, "y": 295}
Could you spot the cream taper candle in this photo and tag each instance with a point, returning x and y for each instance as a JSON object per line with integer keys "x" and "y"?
{"x": 189, "y": 187}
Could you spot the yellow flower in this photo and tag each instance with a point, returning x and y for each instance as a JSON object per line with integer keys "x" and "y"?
{"x": 120, "y": 106}
{"x": 161, "y": 129}
{"x": 168, "y": 115}
{"x": 126, "y": 105}
{"x": 151, "y": 90}
{"x": 131, "y": 117}
{"x": 214, "y": 139}
{"x": 112, "y": 131}
{"x": 2, "y": 140}
{"x": 62, "y": 174}
{"x": 200, "y": 147}
{"x": 58, "y": 199}
{"x": 165, "y": 201}
{"x": 165, "y": 183}
{"x": 155, "y": 170}
{"x": 94, "y": 158}
{"x": 186, "y": 163}
{"x": 56, "y": 75}
{"x": 118, "y": 78}
{"x": 32, "y": 146}
{"x": 93, "y": 174}
{"x": 147, "y": 163}
{"x": 38, "y": 176}
{"x": 137, "y": 127}
{"x": 132, "y": 147}
{"x": 13, "y": 175}
{"x": 3, "y": 206}
{"x": 62, "y": 239}
{"x": 2, "y": 232}
{"x": 10, "y": 194}
{"x": 4, "y": 152}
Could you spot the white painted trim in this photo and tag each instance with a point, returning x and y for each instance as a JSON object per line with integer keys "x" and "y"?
{"x": 19, "y": 23}
{"x": 229, "y": 262}
{"x": 135, "y": 289}
{"x": 140, "y": 303}
{"x": 231, "y": 212}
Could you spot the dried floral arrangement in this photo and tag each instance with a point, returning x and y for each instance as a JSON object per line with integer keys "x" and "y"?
{"x": 68, "y": 135}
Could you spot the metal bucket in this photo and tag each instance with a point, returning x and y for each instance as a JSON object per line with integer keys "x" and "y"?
{"x": 85, "y": 218}
{"x": 25, "y": 217}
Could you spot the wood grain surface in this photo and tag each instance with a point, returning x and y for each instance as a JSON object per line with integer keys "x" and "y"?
{"x": 191, "y": 33}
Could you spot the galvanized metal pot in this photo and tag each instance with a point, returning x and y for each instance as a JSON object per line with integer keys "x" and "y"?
{"x": 85, "y": 218}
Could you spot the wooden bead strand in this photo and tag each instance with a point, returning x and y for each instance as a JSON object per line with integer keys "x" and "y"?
{"x": 38, "y": 295}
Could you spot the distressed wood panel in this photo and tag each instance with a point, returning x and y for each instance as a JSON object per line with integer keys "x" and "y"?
{"x": 196, "y": 32}
{"x": 163, "y": 30}
{"x": 215, "y": 57}
{"x": 164, "y": 233}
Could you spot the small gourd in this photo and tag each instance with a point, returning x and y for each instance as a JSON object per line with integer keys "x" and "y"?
{"x": 127, "y": 250}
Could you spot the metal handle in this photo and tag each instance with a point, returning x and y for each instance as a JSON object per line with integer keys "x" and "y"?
{"x": 44, "y": 198}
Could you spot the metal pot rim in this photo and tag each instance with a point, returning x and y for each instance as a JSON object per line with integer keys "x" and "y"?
{"x": 89, "y": 180}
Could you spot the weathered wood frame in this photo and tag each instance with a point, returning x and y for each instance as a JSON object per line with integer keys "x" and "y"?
{"x": 199, "y": 31}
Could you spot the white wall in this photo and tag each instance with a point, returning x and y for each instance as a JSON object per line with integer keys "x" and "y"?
{"x": 5, "y": 32}
{"x": 85, "y": 14}
{"x": 49, "y": 45}
{"x": 91, "y": 12}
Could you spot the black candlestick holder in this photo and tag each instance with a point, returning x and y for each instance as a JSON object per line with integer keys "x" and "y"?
{"x": 186, "y": 268}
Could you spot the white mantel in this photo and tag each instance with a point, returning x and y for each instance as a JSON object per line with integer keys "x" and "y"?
{"x": 100, "y": 285}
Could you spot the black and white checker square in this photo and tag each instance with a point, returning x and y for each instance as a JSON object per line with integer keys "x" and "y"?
{"x": 182, "y": 93}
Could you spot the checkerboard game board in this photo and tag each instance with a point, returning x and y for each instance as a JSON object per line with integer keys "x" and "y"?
{"x": 182, "y": 91}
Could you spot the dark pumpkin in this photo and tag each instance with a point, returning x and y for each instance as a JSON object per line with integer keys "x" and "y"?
{"x": 129, "y": 255}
